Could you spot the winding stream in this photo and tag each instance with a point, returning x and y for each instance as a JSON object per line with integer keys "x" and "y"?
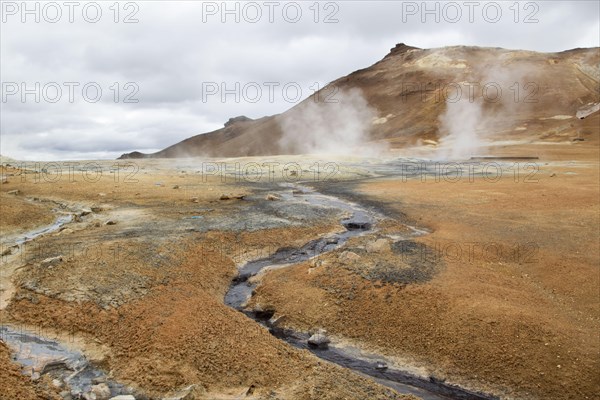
{"x": 71, "y": 366}
{"x": 39, "y": 354}
{"x": 359, "y": 222}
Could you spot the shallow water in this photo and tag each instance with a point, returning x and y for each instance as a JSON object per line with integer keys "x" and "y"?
{"x": 43, "y": 355}
{"x": 358, "y": 222}
{"x": 31, "y": 235}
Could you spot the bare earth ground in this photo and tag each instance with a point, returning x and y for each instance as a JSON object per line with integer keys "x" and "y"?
{"x": 150, "y": 288}
{"x": 501, "y": 295}
{"x": 515, "y": 308}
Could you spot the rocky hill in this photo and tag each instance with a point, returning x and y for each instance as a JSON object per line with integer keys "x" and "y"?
{"x": 415, "y": 97}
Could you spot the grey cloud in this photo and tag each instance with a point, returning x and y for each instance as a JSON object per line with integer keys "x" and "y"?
{"x": 171, "y": 52}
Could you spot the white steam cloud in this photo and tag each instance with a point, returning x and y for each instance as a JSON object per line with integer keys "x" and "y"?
{"x": 338, "y": 125}
{"x": 488, "y": 103}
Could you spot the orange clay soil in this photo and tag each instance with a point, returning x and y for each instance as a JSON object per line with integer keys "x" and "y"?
{"x": 158, "y": 309}
{"x": 514, "y": 306}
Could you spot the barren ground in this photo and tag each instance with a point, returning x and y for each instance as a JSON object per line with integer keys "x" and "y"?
{"x": 501, "y": 294}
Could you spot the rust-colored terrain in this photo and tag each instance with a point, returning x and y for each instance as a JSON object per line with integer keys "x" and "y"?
{"x": 473, "y": 277}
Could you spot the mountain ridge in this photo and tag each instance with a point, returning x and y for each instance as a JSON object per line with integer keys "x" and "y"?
{"x": 408, "y": 91}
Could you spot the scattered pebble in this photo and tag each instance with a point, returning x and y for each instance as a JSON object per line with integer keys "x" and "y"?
{"x": 14, "y": 192}
{"x": 379, "y": 246}
{"x": 51, "y": 261}
{"x": 381, "y": 366}
{"x": 102, "y": 391}
{"x": 349, "y": 256}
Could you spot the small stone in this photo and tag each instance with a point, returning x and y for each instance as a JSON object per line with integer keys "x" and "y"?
{"x": 349, "y": 256}
{"x": 101, "y": 194}
{"x": 89, "y": 396}
{"x": 187, "y": 393}
{"x": 98, "y": 379}
{"x": 57, "y": 383}
{"x": 381, "y": 366}
{"x": 552, "y": 175}
{"x": 379, "y": 246}
{"x": 194, "y": 200}
{"x": 51, "y": 261}
{"x": 14, "y": 192}
{"x": 274, "y": 321}
{"x": 102, "y": 391}
{"x": 224, "y": 197}
{"x": 123, "y": 397}
{"x": 66, "y": 395}
{"x": 65, "y": 231}
{"x": 273, "y": 197}
{"x": 6, "y": 252}
{"x": 319, "y": 340}
{"x": 110, "y": 222}
{"x": 96, "y": 209}
{"x": 85, "y": 211}
{"x": 176, "y": 187}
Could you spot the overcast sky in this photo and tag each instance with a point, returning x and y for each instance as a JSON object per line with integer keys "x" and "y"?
{"x": 172, "y": 62}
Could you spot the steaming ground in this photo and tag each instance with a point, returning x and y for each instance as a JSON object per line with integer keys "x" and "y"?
{"x": 143, "y": 294}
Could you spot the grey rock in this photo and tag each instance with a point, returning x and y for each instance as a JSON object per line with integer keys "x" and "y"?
{"x": 51, "y": 261}
{"x": 319, "y": 340}
{"x": 102, "y": 391}
{"x": 381, "y": 366}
